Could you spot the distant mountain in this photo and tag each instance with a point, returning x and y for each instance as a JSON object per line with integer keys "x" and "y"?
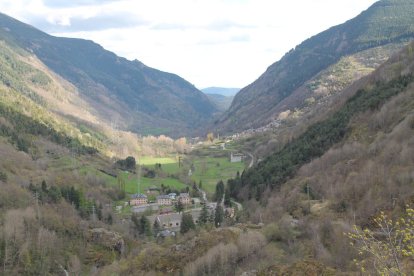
{"x": 222, "y": 102}
{"x": 221, "y": 91}
{"x": 127, "y": 93}
{"x": 284, "y": 84}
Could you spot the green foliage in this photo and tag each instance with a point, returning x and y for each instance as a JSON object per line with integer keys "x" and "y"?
{"x": 179, "y": 207}
{"x": 128, "y": 164}
{"x": 204, "y": 216}
{"x": 25, "y": 127}
{"x": 218, "y": 215}
{"x": 45, "y": 194}
{"x": 218, "y": 196}
{"x": 142, "y": 225}
{"x": 3, "y": 176}
{"x": 187, "y": 223}
{"x": 279, "y": 167}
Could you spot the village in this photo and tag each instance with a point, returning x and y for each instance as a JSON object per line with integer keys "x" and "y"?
{"x": 166, "y": 208}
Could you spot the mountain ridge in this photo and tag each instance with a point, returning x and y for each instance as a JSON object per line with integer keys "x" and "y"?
{"x": 134, "y": 94}
{"x": 376, "y": 26}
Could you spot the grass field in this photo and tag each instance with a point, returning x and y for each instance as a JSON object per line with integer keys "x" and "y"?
{"x": 210, "y": 170}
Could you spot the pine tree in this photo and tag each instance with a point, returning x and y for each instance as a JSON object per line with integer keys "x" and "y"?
{"x": 218, "y": 215}
{"x": 179, "y": 207}
{"x": 219, "y": 191}
{"x": 187, "y": 223}
{"x": 204, "y": 216}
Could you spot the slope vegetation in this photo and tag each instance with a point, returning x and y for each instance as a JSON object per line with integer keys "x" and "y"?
{"x": 137, "y": 97}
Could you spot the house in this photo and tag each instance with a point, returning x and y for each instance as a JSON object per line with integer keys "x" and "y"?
{"x": 168, "y": 221}
{"x": 172, "y": 195}
{"x": 237, "y": 157}
{"x": 184, "y": 198}
{"x": 164, "y": 200}
{"x": 138, "y": 199}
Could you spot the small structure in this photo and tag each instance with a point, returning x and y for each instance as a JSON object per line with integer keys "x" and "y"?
{"x": 166, "y": 233}
{"x": 237, "y": 157}
{"x": 164, "y": 200}
{"x": 153, "y": 190}
{"x": 138, "y": 199}
{"x": 184, "y": 198}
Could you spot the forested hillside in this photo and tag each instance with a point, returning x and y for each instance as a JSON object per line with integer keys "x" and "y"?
{"x": 341, "y": 171}
{"x": 137, "y": 97}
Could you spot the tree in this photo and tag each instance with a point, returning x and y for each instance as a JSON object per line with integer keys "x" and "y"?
{"x": 156, "y": 227}
{"x": 130, "y": 163}
{"x": 384, "y": 250}
{"x": 204, "y": 216}
{"x": 218, "y": 196}
{"x": 179, "y": 207}
{"x": 218, "y": 215}
{"x": 187, "y": 223}
{"x": 227, "y": 201}
{"x": 210, "y": 137}
{"x": 142, "y": 225}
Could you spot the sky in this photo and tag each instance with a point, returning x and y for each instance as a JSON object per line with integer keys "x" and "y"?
{"x": 224, "y": 43}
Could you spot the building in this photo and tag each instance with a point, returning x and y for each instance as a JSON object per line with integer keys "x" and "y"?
{"x": 169, "y": 221}
{"x": 172, "y": 195}
{"x": 138, "y": 199}
{"x": 184, "y": 198}
{"x": 164, "y": 200}
{"x": 237, "y": 157}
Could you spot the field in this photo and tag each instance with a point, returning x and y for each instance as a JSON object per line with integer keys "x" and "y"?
{"x": 210, "y": 170}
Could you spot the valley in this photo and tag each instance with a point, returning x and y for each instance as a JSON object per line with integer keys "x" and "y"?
{"x": 111, "y": 167}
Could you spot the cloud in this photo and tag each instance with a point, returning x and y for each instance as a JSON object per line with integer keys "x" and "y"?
{"x": 73, "y": 3}
{"x": 76, "y": 23}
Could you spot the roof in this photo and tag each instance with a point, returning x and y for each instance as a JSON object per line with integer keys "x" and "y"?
{"x": 136, "y": 196}
{"x": 163, "y": 197}
{"x": 169, "y": 218}
{"x": 184, "y": 195}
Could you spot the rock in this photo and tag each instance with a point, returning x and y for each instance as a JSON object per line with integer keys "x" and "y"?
{"x": 106, "y": 238}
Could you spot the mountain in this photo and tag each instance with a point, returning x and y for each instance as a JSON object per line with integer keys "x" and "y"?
{"x": 222, "y": 102}
{"x": 228, "y": 92}
{"x": 340, "y": 171}
{"x": 284, "y": 82}
{"x": 127, "y": 93}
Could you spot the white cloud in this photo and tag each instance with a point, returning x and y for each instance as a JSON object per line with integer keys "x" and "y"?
{"x": 209, "y": 43}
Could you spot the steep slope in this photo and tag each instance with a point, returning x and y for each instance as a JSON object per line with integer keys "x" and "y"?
{"x": 341, "y": 171}
{"x": 385, "y": 22}
{"x": 136, "y": 97}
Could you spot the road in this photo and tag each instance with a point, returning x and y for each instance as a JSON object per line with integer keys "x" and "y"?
{"x": 251, "y": 159}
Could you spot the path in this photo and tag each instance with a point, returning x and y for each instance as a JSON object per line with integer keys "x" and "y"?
{"x": 251, "y": 159}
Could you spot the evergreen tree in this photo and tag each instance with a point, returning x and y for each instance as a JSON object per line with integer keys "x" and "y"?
{"x": 187, "y": 223}
{"x": 227, "y": 201}
{"x": 218, "y": 196}
{"x": 218, "y": 215}
{"x": 179, "y": 207}
{"x": 204, "y": 216}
